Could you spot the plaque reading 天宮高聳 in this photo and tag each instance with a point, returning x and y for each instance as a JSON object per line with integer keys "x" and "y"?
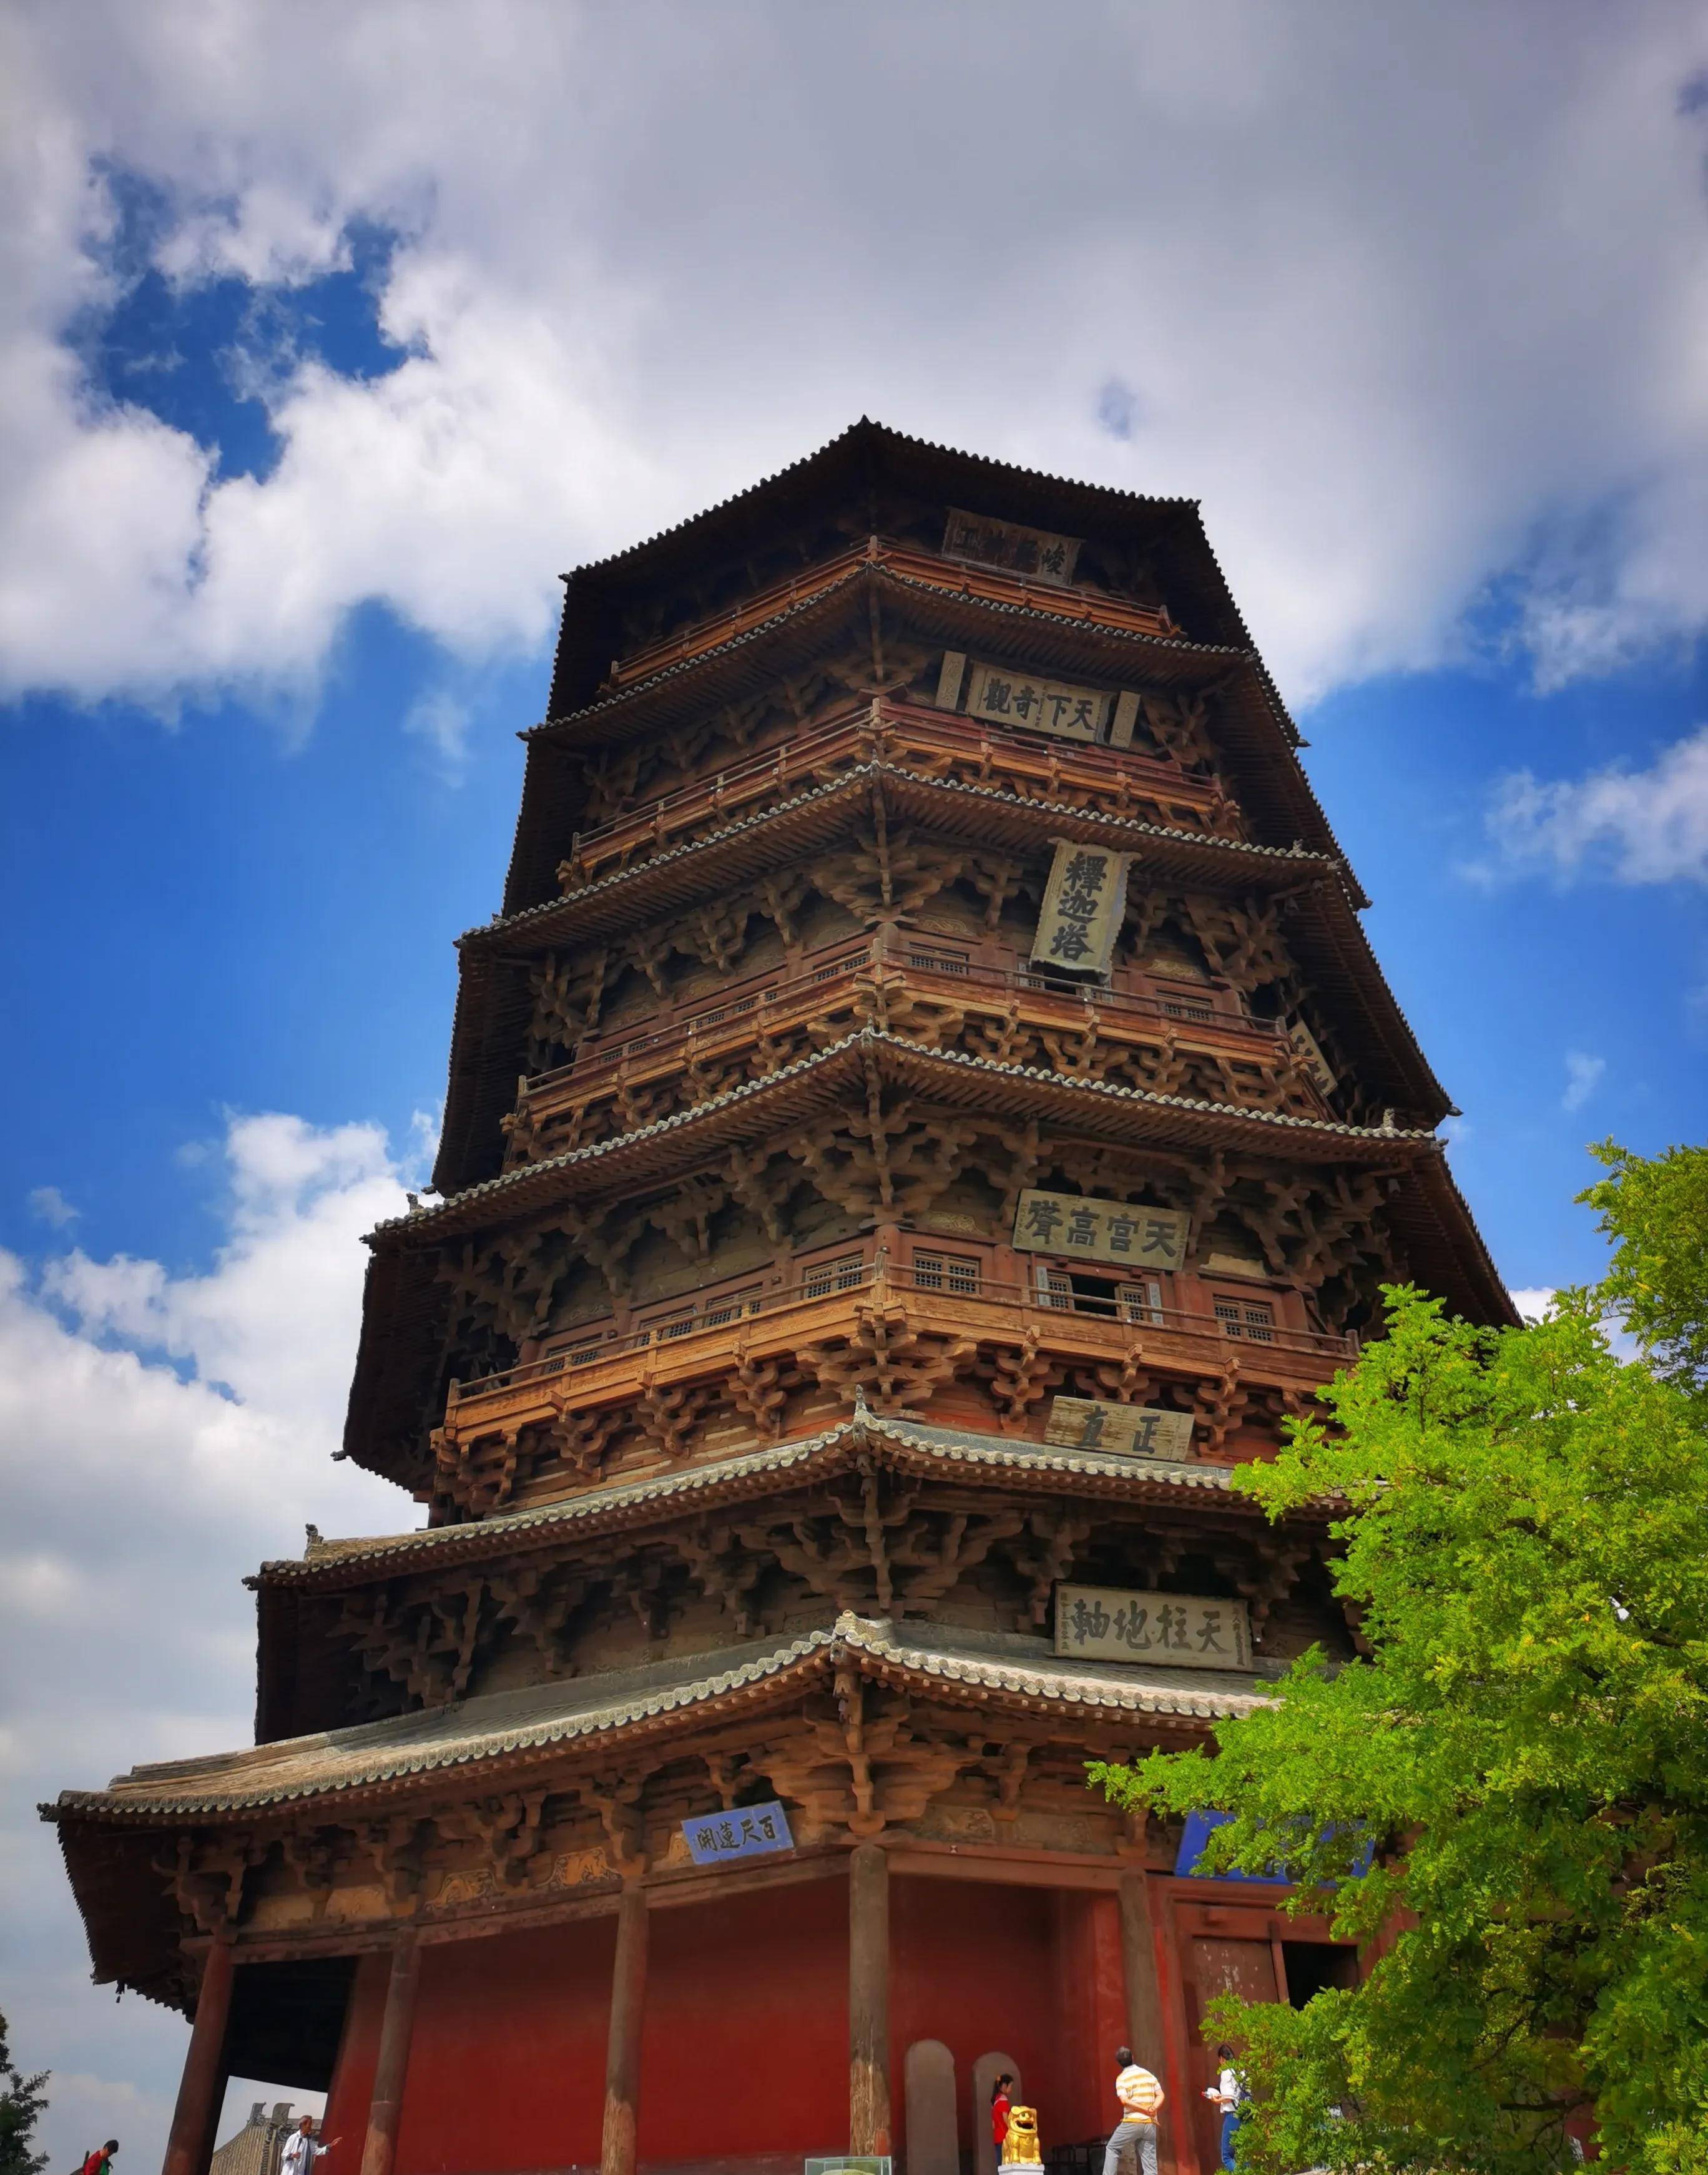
{"x": 1122, "y": 1232}
{"x": 1183, "y": 1630}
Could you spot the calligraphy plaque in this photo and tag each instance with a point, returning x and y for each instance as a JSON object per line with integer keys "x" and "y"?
{"x": 1307, "y": 1050}
{"x": 749, "y": 1831}
{"x": 1181, "y": 1631}
{"x": 1120, "y": 1231}
{"x": 1085, "y": 903}
{"x": 1017, "y": 549}
{"x": 1009, "y": 696}
{"x": 1127, "y": 1430}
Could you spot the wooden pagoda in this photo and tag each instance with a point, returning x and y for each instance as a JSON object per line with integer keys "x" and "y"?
{"x": 926, "y": 1110}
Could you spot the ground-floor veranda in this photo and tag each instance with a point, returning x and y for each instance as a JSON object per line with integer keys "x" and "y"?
{"x": 738, "y": 2022}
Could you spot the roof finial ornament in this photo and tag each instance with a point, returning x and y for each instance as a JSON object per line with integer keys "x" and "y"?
{"x": 313, "y": 1534}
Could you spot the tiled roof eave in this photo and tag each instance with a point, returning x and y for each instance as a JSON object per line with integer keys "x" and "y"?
{"x": 1238, "y": 857}
{"x": 871, "y": 1645}
{"x": 943, "y": 1065}
{"x": 923, "y": 1449}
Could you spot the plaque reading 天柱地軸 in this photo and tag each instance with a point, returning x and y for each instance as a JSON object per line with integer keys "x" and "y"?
{"x": 1185, "y": 1630}
{"x": 1085, "y": 903}
{"x": 1010, "y": 545}
{"x": 1122, "y": 1232}
{"x": 1006, "y": 697}
{"x": 1124, "y": 1430}
{"x": 749, "y": 1831}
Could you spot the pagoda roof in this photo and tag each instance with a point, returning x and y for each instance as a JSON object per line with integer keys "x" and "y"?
{"x": 475, "y": 1740}
{"x": 919, "y": 1448}
{"x": 853, "y": 471}
{"x": 1252, "y": 730}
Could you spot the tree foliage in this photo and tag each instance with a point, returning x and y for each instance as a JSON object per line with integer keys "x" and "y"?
{"x": 1524, "y": 1522}
{"x": 22, "y": 2102}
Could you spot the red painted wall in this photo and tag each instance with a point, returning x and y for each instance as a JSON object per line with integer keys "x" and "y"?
{"x": 746, "y": 2044}
{"x": 1016, "y": 1970}
{"x": 507, "y": 2063}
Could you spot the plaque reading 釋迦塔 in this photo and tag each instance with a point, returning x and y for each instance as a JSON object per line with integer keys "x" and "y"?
{"x": 1010, "y": 545}
{"x": 1008, "y": 697}
{"x": 1123, "y": 1232}
{"x": 1085, "y": 903}
{"x": 1124, "y": 1430}
{"x": 1184, "y": 1631}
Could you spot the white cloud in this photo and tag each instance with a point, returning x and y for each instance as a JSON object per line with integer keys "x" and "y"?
{"x": 1534, "y": 1301}
{"x": 48, "y": 1205}
{"x": 1583, "y": 1076}
{"x": 1638, "y": 826}
{"x": 1406, "y": 301}
{"x": 159, "y": 1435}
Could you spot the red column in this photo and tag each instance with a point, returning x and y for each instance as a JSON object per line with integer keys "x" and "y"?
{"x": 868, "y": 2000}
{"x": 622, "y": 2063}
{"x": 190, "y": 2145}
{"x": 1144, "y": 2029}
{"x": 386, "y": 2109}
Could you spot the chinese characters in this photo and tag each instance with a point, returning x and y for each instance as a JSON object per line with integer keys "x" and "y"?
{"x": 1119, "y": 1231}
{"x": 1128, "y": 1430}
{"x": 748, "y": 1831}
{"x": 1009, "y": 696}
{"x": 1084, "y": 904}
{"x": 1006, "y": 544}
{"x": 1182, "y": 1630}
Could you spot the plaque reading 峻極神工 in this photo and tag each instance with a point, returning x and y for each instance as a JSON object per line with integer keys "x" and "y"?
{"x": 1008, "y": 697}
{"x": 1122, "y": 1232}
{"x": 1085, "y": 902}
{"x": 1185, "y": 1630}
{"x": 1010, "y": 545}
{"x": 1126, "y": 1430}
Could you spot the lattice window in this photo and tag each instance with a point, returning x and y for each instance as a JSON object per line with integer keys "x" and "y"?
{"x": 823, "y": 1278}
{"x": 1253, "y": 1319}
{"x": 950, "y": 1272}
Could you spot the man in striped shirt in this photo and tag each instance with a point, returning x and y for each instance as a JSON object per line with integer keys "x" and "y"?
{"x": 1140, "y": 2096}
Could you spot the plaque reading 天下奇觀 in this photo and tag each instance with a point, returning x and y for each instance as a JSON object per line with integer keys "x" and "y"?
{"x": 1085, "y": 903}
{"x": 1185, "y": 1630}
{"x": 1122, "y": 1232}
{"x": 1125, "y": 1430}
{"x": 1008, "y": 697}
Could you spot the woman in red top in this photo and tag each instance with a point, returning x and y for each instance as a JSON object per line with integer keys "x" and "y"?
{"x": 999, "y": 2105}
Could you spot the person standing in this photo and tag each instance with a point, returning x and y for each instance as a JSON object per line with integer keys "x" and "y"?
{"x": 1002, "y": 2099}
{"x": 1140, "y": 2097}
{"x": 1228, "y": 2093}
{"x": 302, "y": 2148}
{"x": 97, "y": 2162}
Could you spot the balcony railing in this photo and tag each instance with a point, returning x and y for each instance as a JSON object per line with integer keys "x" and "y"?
{"x": 940, "y": 743}
{"x": 823, "y": 1304}
{"x": 987, "y": 583}
{"x": 1200, "y": 1015}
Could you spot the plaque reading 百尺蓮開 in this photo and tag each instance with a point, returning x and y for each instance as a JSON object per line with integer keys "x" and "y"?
{"x": 1123, "y": 1430}
{"x": 1124, "y": 1233}
{"x": 748, "y": 1831}
{"x": 1184, "y": 1631}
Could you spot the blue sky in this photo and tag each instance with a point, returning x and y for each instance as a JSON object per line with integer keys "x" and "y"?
{"x": 328, "y": 348}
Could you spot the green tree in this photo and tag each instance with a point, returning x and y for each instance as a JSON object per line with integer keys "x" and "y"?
{"x": 22, "y": 2100}
{"x": 1523, "y": 1518}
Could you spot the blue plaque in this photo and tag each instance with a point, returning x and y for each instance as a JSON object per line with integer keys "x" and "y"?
{"x": 749, "y": 1831}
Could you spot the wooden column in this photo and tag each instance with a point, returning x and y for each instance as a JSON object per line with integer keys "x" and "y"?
{"x": 386, "y": 2109}
{"x": 1145, "y": 2027}
{"x": 622, "y": 2061}
{"x": 189, "y": 2145}
{"x": 869, "y": 2000}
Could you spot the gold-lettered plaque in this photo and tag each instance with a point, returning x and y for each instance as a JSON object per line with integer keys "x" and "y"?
{"x": 1124, "y": 1232}
{"x": 1085, "y": 903}
{"x": 1008, "y": 697}
{"x": 1035, "y": 552}
{"x": 1182, "y": 1630}
{"x": 1126, "y": 1430}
